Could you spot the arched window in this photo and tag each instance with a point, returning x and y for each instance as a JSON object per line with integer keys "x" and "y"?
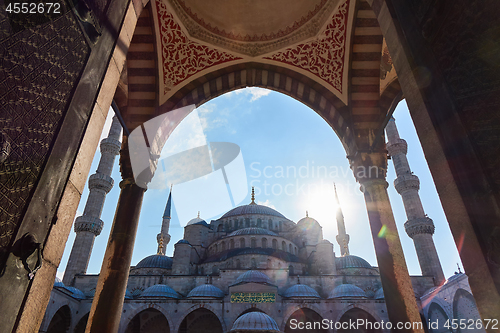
{"x": 296, "y": 251}
{"x": 231, "y": 244}
{"x": 215, "y": 248}
{"x": 253, "y": 243}
{"x": 264, "y": 243}
{"x": 275, "y": 244}
{"x": 290, "y": 248}
{"x": 235, "y": 223}
{"x": 283, "y": 245}
{"x": 223, "y": 246}
{"x": 290, "y": 270}
{"x": 259, "y": 223}
{"x": 219, "y": 227}
{"x": 253, "y": 263}
{"x": 247, "y": 223}
{"x": 238, "y": 264}
{"x": 270, "y": 224}
{"x": 281, "y": 225}
{"x": 230, "y": 224}
{"x": 226, "y": 225}
{"x": 242, "y": 242}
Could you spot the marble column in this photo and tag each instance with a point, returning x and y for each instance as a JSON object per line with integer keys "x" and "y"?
{"x": 370, "y": 171}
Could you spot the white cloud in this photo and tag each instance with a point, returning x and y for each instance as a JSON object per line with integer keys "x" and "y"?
{"x": 266, "y": 203}
{"x": 254, "y": 92}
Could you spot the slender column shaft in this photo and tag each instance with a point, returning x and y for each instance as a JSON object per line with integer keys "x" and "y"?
{"x": 370, "y": 170}
{"x": 107, "y": 306}
{"x": 396, "y": 282}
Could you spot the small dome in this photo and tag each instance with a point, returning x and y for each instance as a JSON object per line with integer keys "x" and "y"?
{"x": 255, "y": 321}
{"x": 253, "y": 209}
{"x": 347, "y": 290}
{"x": 252, "y": 231}
{"x": 455, "y": 277}
{"x": 306, "y": 222}
{"x": 182, "y": 241}
{"x": 301, "y": 290}
{"x": 76, "y": 293}
{"x": 58, "y": 283}
{"x": 253, "y": 276}
{"x": 206, "y": 291}
{"x": 159, "y": 290}
{"x": 196, "y": 220}
{"x": 379, "y": 294}
{"x": 155, "y": 261}
{"x": 351, "y": 261}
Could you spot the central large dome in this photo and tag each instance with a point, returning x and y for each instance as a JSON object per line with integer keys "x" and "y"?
{"x": 252, "y": 209}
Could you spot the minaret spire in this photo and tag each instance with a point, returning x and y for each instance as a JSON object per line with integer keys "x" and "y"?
{"x": 342, "y": 237}
{"x": 164, "y": 237}
{"x": 89, "y": 225}
{"x": 419, "y": 226}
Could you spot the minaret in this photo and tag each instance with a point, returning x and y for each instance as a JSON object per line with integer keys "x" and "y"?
{"x": 342, "y": 237}
{"x": 419, "y": 226}
{"x": 164, "y": 237}
{"x": 89, "y": 225}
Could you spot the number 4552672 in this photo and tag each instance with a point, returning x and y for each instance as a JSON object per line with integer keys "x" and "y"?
{"x": 33, "y": 8}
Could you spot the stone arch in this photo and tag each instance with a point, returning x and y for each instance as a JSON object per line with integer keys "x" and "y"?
{"x": 264, "y": 242}
{"x": 357, "y": 311}
{"x": 437, "y": 314}
{"x": 294, "y": 308}
{"x": 305, "y": 315}
{"x": 149, "y": 320}
{"x": 81, "y": 324}
{"x": 464, "y": 307}
{"x": 134, "y": 312}
{"x": 61, "y": 320}
{"x": 202, "y": 318}
{"x": 442, "y": 303}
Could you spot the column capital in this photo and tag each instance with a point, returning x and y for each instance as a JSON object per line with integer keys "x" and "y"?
{"x": 369, "y": 166}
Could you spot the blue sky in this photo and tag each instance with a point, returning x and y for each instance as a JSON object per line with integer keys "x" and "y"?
{"x": 292, "y": 157}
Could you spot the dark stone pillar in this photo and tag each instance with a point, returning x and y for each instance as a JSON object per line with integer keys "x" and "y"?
{"x": 106, "y": 308}
{"x": 370, "y": 171}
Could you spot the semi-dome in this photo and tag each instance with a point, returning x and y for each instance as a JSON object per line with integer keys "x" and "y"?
{"x": 206, "y": 291}
{"x": 58, "y": 282}
{"x": 255, "y": 321}
{"x": 351, "y": 261}
{"x": 302, "y": 291}
{"x": 347, "y": 290}
{"x": 197, "y": 220}
{"x": 252, "y": 231}
{"x": 159, "y": 290}
{"x": 379, "y": 294}
{"x": 252, "y": 209}
{"x": 155, "y": 261}
{"x": 253, "y": 276}
{"x": 75, "y": 292}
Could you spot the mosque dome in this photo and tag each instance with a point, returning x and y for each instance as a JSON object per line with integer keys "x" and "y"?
{"x": 197, "y": 220}
{"x": 253, "y": 209}
{"x": 159, "y": 290}
{"x": 379, "y": 294}
{"x": 351, "y": 261}
{"x": 255, "y": 321}
{"x": 155, "y": 261}
{"x": 252, "y": 231}
{"x": 206, "y": 291}
{"x": 253, "y": 276}
{"x": 182, "y": 241}
{"x": 307, "y": 221}
{"x": 302, "y": 291}
{"x": 347, "y": 290}
{"x": 75, "y": 292}
{"x": 58, "y": 282}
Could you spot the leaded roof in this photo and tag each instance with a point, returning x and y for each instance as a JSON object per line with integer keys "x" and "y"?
{"x": 155, "y": 261}
{"x": 302, "y": 291}
{"x": 347, "y": 290}
{"x": 255, "y": 321}
{"x": 252, "y": 231}
{"x": 253, "y": 209}
{"x": 206, "y": 291}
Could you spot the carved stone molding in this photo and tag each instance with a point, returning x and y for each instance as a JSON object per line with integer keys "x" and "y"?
{"x": 89, "y": 224}
{"x": 423, "y": 225}
{"x": 101, "y": 182}
{"x": 406, "y": 182}
{"x": 398, "y": 147}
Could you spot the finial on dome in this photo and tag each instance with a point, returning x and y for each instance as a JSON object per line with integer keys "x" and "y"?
{"x": 253, "y": 197}
{"x": 298, "y": 279}
{"x": 198, "y": 214}
{"x": 307, "y": 213}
